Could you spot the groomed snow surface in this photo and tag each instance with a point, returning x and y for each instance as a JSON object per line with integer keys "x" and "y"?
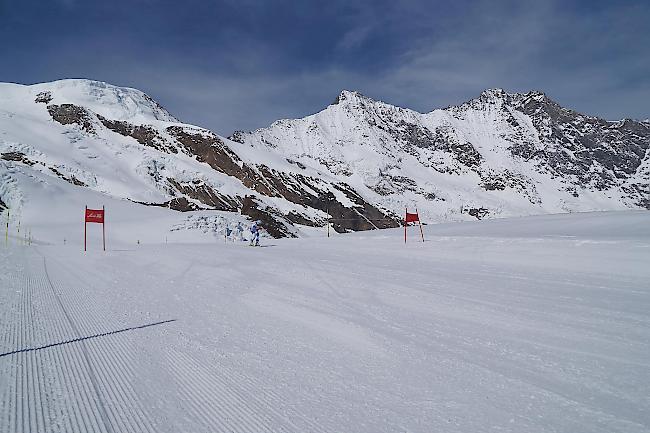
{"x": 538, "y": 324}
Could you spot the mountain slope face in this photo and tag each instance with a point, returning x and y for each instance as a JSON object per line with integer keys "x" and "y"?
{"x": 358, "y": 163}
{"x": 498, "y": 155}
{"x": 120, "y": 142}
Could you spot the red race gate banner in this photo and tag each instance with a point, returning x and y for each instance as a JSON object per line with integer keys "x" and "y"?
{"x": 412, "y": 218}
{"x": 95, "y": 216}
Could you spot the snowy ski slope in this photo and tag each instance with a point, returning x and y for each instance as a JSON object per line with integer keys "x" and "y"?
{"x": 536, "y": 324}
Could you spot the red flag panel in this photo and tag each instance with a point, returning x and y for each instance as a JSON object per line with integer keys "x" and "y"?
{"x": 412, "y": 217}
{"x": 94, "y": 215}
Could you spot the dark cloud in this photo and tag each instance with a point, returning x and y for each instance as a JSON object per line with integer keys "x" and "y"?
{"x": 242, "y": 64}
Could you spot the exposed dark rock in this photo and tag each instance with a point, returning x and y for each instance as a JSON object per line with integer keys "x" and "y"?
{"x": 348, "y": 218}
{"x": 466, "y": 154}
{"x": 206, "y": 195}
{"x": 478, "y": 213}
{"x": 18, "y": 157}
{"x": 68, "y": 114}
{"x": 389, "y": 184}
{"x": 296, "y": 218}
{"x": 181, "y": 204}
{"x": 405, "y": 183}
{"x": 444, "y": 139}
{"x": 237, "y": 137}
{"x": 268, "y": 217}
{"x": 3, "y": 206}
{"x": 13, "y": 156}
{"x": 210, "y": 149}
{"x": 641, "y": 191}
{"x": 417, "y": 135}
{"x": 491, "y": 181}
{"x": 597, "y": 153}
{"x": 144, "y": 134}
{"x": 73, "y": 180}
{"x": 433, "y": 197}
{"x": 298, "y": 163}
{"x": 493, "y": 184}
{"x": 363, "y": 216}
{"x": 336, "y": 167}
{"x": 44, "y": 97}
{"x": 383, "y": 187}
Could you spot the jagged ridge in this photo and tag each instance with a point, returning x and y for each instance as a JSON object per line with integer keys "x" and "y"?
{"x": 500, "y": 154}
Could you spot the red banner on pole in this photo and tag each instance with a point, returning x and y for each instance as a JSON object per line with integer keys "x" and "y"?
{"x": 95, "y": 216}
{"x": 412, "y": 218}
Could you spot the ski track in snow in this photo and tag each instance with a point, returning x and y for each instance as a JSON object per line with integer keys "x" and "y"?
{"x": 83, "y": 385}
{"x": 357, "y": 333}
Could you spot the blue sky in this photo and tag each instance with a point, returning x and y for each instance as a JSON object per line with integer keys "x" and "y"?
{"x": 242, "y": 64}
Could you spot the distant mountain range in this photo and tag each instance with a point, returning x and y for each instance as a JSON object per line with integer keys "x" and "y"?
{"x": 359, "y": 162}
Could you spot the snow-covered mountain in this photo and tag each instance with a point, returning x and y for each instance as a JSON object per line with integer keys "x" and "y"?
{"x": 359, "y": 162}
{"x": 498, "y": 155}
{"x": 120, "y": 142}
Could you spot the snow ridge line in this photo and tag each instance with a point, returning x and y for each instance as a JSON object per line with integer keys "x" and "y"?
{"x": 84, "y": 352}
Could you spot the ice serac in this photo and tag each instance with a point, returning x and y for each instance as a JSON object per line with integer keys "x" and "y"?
{"x": 500, "y": 154}
{"x": 120, "y": 142}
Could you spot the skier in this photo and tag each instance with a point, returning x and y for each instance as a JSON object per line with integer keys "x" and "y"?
{"x": 255, "y": 234}
{"x": 239, "y": 231}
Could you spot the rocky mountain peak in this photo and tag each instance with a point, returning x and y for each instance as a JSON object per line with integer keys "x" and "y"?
{"x": 537, "y": 95}
{"x": 494, "y": 94}
{"x": 511, "y": 142}
{"x": 366, "y": 109}
{"x": 488, "y": 99}
{"x": 500, "y": 98}
{"x": 348, "y": 96}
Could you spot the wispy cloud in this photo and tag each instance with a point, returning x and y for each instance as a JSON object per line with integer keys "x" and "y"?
{"x": 518, "y": 47}
{"x": 230, "y": 65}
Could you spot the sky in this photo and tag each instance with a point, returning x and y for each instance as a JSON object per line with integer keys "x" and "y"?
{"x": 241, "y": 64}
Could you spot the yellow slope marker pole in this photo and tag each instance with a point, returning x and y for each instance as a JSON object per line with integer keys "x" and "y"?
{"x": 7, "y": 230}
